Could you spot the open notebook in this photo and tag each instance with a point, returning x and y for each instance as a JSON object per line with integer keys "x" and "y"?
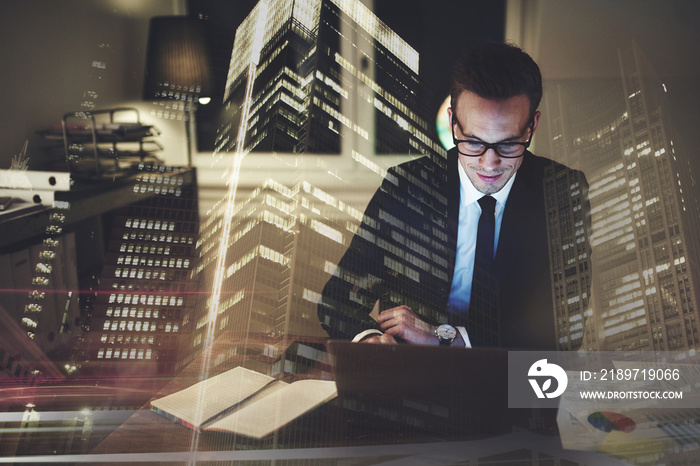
{"x": 243, "y": 401}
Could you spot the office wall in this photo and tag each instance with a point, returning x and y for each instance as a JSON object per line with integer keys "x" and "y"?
{"x": 49, "y": 60}
{"x": 578, "y": 42}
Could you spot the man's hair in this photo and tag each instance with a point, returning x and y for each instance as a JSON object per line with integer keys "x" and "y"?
{"x": 496, "y": 71}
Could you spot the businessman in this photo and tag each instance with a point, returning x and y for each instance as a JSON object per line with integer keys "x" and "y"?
{"x": 456, "y": 251}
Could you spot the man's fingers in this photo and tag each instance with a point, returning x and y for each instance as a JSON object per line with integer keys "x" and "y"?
{"x": 397, "y": 331}
{"x": 394, "y": 312}
{"x": 388, "y": 323}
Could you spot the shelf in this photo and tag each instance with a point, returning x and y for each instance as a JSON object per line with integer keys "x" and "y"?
{"x": 108, "y": 142}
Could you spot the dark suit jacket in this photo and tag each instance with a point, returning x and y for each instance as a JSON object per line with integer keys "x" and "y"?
{"x": 412, "y": 219}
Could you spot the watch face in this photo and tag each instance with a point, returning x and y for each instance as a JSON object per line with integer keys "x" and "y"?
{"x": 446, "y": 332}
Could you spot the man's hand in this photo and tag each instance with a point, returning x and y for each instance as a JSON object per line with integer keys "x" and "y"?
{"x": 400, "y": 322}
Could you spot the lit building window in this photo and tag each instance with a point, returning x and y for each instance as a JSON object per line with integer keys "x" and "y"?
{"x": 29, "y": 322}
{"x": 312, "y": 296}
{"x": 32, "y": 308}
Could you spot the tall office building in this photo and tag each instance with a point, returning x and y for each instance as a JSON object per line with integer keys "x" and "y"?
{"x": 43, "y": 277}
{"x": 644, "y": 208}
{"x": 277, "y": 263}
{"x": 305, "y": 74}
{"x": 569, "y": 231}
{"x": 144, "y": 292}
{"x": 292, "y": 84}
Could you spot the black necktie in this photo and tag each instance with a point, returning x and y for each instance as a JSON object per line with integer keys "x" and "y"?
{"x": 484, "y": 236}
{"x": 483, "y": 320}
{"x": 483, "y": 260}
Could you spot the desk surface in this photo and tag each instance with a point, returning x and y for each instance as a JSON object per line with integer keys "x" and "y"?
{"x": 352, "y": 419}
{"x": 348, "y": 430}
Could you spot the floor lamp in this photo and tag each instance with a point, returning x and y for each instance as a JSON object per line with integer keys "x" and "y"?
{"x": 177, "y": 65}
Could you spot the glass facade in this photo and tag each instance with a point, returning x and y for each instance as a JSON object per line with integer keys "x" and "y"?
{"x": 642, "y": 218}
{"x": 326, "y": 193}
{"x": 292, "y": 91}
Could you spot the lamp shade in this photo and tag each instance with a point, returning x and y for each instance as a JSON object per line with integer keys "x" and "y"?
{"x": 177, "y": 60}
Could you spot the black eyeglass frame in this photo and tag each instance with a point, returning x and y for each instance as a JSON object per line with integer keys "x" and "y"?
{"x": 494, "y": 145}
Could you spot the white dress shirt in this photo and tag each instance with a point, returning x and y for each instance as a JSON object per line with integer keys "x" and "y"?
{"x": 469, "y": 213}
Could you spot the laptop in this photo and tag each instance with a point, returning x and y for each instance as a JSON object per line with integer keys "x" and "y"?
{"x": 417, "y": 370}
{"x": 465, "y": 389}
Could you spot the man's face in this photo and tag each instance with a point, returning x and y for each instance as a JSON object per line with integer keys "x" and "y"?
{"x": 491, "y": 121}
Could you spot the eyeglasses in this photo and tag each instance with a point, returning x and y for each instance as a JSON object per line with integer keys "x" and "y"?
{"x": 473, "y": 147}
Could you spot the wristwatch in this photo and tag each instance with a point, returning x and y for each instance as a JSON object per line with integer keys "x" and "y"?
{"x": 445, "y": 334}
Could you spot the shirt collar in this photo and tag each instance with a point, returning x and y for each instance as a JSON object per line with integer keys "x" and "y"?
{"x": 469, "y": 194}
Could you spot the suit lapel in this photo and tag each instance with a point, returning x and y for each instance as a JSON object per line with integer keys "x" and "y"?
{"x": 517, "y": 216}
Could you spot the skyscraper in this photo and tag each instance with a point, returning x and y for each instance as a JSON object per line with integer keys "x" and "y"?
{"x": 566, "y": 200}
{"x": 145, "y": 292}
{"x": 305, "y": 74}
{"x": 294, "y": 87}
{"x": 644, "y": 207}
